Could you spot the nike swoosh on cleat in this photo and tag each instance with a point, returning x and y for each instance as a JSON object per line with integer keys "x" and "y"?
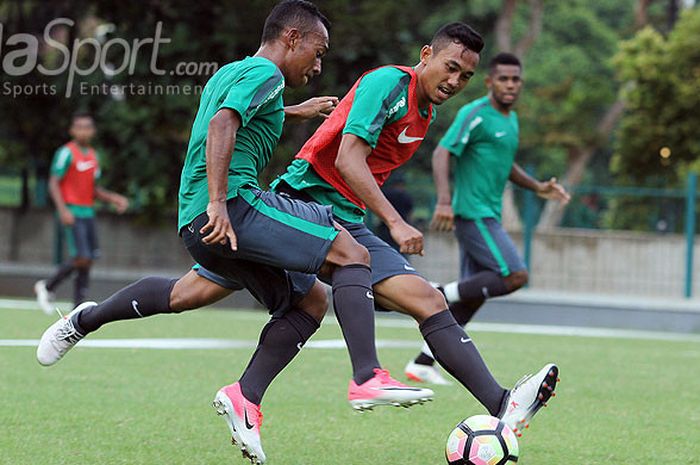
{"x": 247, "y": 423}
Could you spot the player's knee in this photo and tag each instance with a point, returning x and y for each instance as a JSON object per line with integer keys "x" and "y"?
{"x": 315, "y": 303}
{"x": 347, "y": 251}
{"x": 182, "y": 300}
{"x": 429, "y": 302}
{"x": 516, "y": 280}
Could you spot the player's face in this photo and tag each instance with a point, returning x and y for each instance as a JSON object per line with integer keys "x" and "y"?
{"x": 82, "y": 130}
{"x": 504, "y": 84}
{"x": 447, "y": 71}
{"x": 307, "y": 52}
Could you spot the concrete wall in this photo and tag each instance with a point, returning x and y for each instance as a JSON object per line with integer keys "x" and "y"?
{"x": 605, "y": 262}
{"x": 601, "y": 262}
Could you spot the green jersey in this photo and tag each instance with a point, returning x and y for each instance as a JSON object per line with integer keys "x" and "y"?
{"x": 484, "y": 142}
{"x": 61, "y": 163}
{"x": 253, "y": 87}
{"x": 380, "y": 99}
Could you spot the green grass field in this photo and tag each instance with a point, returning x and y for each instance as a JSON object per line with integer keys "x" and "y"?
{"x": 619, "y": 402}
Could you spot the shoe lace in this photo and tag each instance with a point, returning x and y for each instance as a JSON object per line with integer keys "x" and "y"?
{"x": 521, "y": 381}
{"x": 383, "y": 376}
{"x": 259, "y": 413}
{"x": 67, "y": 332}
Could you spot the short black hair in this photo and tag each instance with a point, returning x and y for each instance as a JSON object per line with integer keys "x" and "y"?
{"x": 460, "y": 33}
{"x": 504, "y": 58}
{"x": 80, "y": 114}
{"x": 298, "y": 14}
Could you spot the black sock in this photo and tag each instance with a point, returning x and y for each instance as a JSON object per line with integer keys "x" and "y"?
{"x": 82, "y": 281}
{"x": 280, "y": 341}
{"x": 353, "y": 302}
{"x": 63, "y": 271}
{"x": 482, "y": 285}
{"x": 455, "y": 351}
{"x": 463, "y": 313}
{"x": 146, "y": 297}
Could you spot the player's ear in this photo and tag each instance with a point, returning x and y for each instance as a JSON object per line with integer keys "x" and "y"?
{"x": 425, "y": 53}
{"x": 291, "y": 37}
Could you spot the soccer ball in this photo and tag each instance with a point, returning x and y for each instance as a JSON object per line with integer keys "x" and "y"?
{"x": 481, "y": 440}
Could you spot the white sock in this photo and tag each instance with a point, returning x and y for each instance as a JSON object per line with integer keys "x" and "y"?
{"x": 452, "y": 292}
{"x": 426, "y": 350}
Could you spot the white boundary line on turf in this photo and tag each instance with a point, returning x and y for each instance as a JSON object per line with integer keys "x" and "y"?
{"x": 203, "y": 343}
{"x": 506, "y": 328}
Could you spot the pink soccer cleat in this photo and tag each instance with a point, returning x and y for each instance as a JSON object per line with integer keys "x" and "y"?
{"x": 244, "y": 419}
{"x": 382, "y": 389}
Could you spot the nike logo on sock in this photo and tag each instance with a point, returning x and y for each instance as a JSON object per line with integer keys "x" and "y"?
{"x": 464, "y": 340}
{"x": 135, "y": 306}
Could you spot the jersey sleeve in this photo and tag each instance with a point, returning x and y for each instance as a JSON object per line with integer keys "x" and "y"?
{"x": 375, "y": 97}
{"x": 252, "y": 89}
{"x": 464, "y": 129}
{"x": 61, "y": 162}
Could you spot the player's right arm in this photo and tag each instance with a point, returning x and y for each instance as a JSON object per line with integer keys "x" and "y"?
{"x": 59, "y": 166}
{"x": 245, "y": 97}
{"x": 221, "y": 139}
{"x": 376, "y": 93}
{"x": 463, "y": 129}
{"x": 443, "y": 217}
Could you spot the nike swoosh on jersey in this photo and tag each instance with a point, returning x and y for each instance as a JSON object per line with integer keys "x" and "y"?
{"x": 404, "y": 139}
{"x": 84, "y": 165}
{"x": 500, "y": 134}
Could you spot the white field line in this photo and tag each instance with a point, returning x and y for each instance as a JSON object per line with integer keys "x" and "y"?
{"x": 385, "y": 322}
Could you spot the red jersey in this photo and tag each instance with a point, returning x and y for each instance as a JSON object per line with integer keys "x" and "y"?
{"x": 78, "y": 183}
{"x": 397, "y": 142}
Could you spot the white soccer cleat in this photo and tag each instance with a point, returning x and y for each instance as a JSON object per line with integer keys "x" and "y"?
{"x": 425, "y": 374}
{"x": 244, "y": 420}
{"x": 59, "y": 338}
{"x": 44, "y": 297}
{"x": 382, "y": 389}
{"x": 529, "y": 395}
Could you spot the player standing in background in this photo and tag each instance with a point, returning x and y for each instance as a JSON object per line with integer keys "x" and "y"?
{"x": 74, "y": 170}
{"x": 483, "y": 139}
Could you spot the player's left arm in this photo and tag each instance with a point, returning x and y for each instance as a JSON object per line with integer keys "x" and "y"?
{"x": 310, "y": 109}
{"x": 120, "y": 202}
{"x": 352, "y": 165}
{"x": 550, "y": 190}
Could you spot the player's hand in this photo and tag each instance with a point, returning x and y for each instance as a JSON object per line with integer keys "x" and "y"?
{"x": 66, "y": 217}
{"x": 409, "y": 239}
{"x": 443, "y": 218}
{"x": 551, "y": 190}
{"x": 120, "y": 202}
{"x": 315, "y": 107}
{"x": 218, "y": 227}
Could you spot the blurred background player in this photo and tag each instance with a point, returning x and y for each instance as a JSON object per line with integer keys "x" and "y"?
{"x": 72, "y": 187}
{"x": 483, "y": 139}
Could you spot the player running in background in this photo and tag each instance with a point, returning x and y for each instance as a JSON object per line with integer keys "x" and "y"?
{"x": 483, "y": 139}
{"x": 72, "y": 187}
{"x": 228, "y": 223}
